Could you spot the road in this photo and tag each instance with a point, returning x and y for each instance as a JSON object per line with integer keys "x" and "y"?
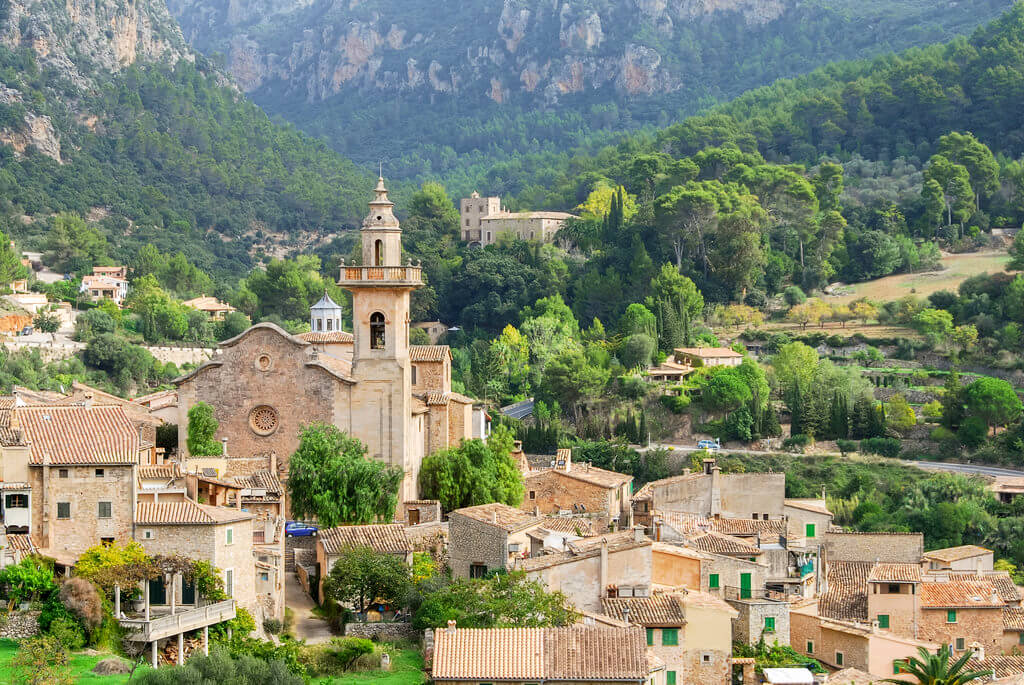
{"x": 519, "y": 410}
{"x": 976, "y": 469}
{"x": 693, "y": 448}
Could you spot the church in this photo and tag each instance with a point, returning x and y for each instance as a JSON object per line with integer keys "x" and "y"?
{"x": 396, "y": 398}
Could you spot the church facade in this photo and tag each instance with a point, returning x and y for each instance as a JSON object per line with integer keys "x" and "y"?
{"x": 395, "y": 398}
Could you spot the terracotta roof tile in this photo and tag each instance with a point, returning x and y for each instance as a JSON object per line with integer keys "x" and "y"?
{"x": 574, "y": 525}
{"x": 691, "y": 523}
{"x": 570, "y": 653}
{"x": 657, "y": 610}
{"x": 500, "y": 515}
{"x": 806, "y": 505}
{"x": 895, "y": 573}
{"x": 261, "y": 480}
{"x": 1001, "y": 580}
{"x": 383, "y": 537}
{"x": 157, "y": 471}
{"x": 429, "y": 353}
{"x": 951, "y": 554}
{"x": 1001, "y": 665}
{"x": 847, "y": 595}
{"x": 585, "y": 473}
{"x": 436, "y": 397}
{"x": 717, "y": 543}
{"x": 185, "y": 512}
{"x": 954, "y": 594}
{"x": 708, "y": 352}
{"x": 647, "y": 490}
{"x": 77, "y": 435}
{"x": 22, "y": 543}
{"x": 325, "y": 337}
{"x": 1013, "y": 618}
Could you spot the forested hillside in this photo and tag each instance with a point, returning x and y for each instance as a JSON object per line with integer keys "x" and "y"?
{"x": 450, "y": 90}
{"x": 126, "y": 126}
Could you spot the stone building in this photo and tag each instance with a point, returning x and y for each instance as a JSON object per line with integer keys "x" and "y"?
{"x": 386, "y": 538}
{"x": 962, "y": 558}
{"x": 690, "y": 632}
{"x": 483, "y": 219}
{"x": 214, "y": 309}
{"x": 266, "y": 383}
{"x": 487, "y": 537}
{"x": 581, "y": 489}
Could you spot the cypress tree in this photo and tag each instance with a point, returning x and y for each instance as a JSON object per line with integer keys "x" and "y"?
{"x": 796, "y": 422}
{"x": 642, "y": 430}
{"x": 839, "y": 419}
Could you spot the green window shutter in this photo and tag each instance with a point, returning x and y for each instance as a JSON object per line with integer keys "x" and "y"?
{"x": 669, "y": 637}
{"x": 839, "y": 658}
{"x": 713, "y": 581}
{"x": 951, "y": 616}
{"x": 769, "y": 624}
{"x": 1020, "y": 638}
{"x": 809, "y": 530}
{"x": 896, "y": 667}
{"x": 650, "y": 637}
{"x": 883, "y": 621}
{"x": 810, "y": 646}
{"x": 959, "y": 643}
{"x": 670, "y": 678}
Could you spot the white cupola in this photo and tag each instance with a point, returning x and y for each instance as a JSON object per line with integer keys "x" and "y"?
{"x": 325, "y": 316}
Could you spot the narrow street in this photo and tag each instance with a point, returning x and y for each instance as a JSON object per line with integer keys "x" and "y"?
{"x": 308, "y": 627}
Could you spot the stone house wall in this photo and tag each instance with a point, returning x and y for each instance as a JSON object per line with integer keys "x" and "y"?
{"x": 432, "y": 376}
{"x": 83, "y": 490}
{"x": 474, "y": 542}
{"x": 580, "y": 577}
{"x": 750, "y": 624}
{"x": 981, "y": 625}
{"x": 897, "y": 548}
{"x": 551, "y": 490}
{"x": 729, "y": 570}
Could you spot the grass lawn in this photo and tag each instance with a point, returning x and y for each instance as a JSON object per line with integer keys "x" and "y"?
{"x": 406, "y": 669}
{"x": 81, "y": 666}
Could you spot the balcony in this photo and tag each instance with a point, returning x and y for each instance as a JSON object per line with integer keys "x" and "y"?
{"x": 381, "y": 276}
{"x": 736, "y": 594}
{"x": 181, "y": 621}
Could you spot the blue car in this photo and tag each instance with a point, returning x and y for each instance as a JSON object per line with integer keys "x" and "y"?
{"x": 710, "y": 445}
{"x": 298, "y": 529}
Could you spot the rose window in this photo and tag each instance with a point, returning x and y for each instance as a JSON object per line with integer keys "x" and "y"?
{"x": 263, "y": 420}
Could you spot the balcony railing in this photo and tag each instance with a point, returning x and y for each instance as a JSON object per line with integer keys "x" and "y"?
{"x": 751, "y": 594}
{"x": 141, "y": 630}
{"x": 383, "y": 275}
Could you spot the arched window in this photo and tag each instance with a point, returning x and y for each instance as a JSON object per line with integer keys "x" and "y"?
{"x": 378, "y": 253}
{"x": 376, "y": 331}
{"x": 329, "y": 323}
{"x": 319, "y": 324}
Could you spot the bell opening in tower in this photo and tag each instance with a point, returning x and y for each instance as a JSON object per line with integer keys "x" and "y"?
{"x": 376, "y": 331}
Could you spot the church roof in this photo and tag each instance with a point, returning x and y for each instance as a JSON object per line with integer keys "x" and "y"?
{"x": 267, "y": 325}
{"x": 328, "y": 337}
{"x": 429, "y": 353}
{"x": 325, "y": 303}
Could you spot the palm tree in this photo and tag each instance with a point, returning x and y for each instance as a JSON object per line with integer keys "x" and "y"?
{"x": 938, "y": 669}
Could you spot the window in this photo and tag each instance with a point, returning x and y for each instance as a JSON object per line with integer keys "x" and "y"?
{"x": 894, "y": 588}
{"x": 265, "y": 577}
{"x": 147, "y": 534}
{"x": 229, "y": 536}
{"x": 1020, "y": 638}
{"x": 16, "y": 501}
{"x": 414, "y": 374}
{"x": 513, "y": 548}
{"x": 809, "y": 530}
{"x": 477, "y": 570}
{"x": 63, "y": 510}
{"x": 106, "y": 542}
{"x": 670, "y": 678}
{"x": 769, "y": 624}
{"x": 960, "y": 643}
{"x": 839, "y": 658}
{"x": 376, "y": 331}
{"x": 229, "y": 582}
{"x": 707, "y": 658}
{"x": 533, "y": 494}
{"x": 713, "y": 581}
{"x": 99, "y": 473}
{"x": 650, "y": 637}
{"x": 883, "y": 621}
{"x": 319, "y": 324}
{"x": 330, "y": 323}
{"x": 951, "y": 616}
{"x": 810, "y": 646}
{"x": 896, "y": 666}
{"x": 62, "y": 473}
{"x": 105, "y": 510}
{"x": 669, "y": 637}
{"x": 378, "y": 253}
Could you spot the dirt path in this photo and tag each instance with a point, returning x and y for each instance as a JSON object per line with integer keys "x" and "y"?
{"x": 308, "y": 627}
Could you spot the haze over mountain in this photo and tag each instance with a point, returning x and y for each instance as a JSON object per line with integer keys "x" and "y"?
{"x": 450, "y": 89}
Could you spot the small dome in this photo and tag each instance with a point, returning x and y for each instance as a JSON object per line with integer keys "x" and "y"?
{"x": 326, "y": 303}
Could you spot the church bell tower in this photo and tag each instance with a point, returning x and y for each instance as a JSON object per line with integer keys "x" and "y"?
{"x": 381, "y": 287}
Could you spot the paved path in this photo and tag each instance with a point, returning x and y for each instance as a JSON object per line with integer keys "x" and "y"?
{"x": 308, "y": 627}
{"x": 977, "y": 469}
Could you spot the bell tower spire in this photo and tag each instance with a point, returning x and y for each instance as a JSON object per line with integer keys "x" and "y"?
{"x": 381, "y": 233}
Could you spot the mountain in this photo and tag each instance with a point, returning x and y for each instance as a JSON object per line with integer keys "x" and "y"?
{"x": 451, "y": 89}
{"x": 106, "y": 112}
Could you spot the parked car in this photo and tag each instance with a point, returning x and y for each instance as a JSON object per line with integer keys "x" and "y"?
{"x": 710, "y": 445}
{"x": 298, "y": 529}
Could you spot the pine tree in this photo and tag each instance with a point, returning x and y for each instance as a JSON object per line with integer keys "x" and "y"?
{"x": 877, "y": 425}
{"x": 771, "y": 426}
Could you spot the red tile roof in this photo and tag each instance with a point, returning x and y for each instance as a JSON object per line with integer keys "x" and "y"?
{"x": 80, "y": 435}
{"x": 895, "y": 573}
{"x": 429, "y": 353}
{"x": 691, "y": 523}
{"x": 499, "y": 515}
{"x": 1013, "y": 618}
{"x": 185, "y": 512}
{"x": 385, "y": 537}
{"x": 324, "y": 337}
{"x": 1001, "y": 580}
{"x": 716, "y": 543}
{"x": 951, "y": 554}
{"x": 553, "y": 654}
{"x": 847, "y": 596}
{"x": 657, "y": 610}
{"x": 957, "y": 594}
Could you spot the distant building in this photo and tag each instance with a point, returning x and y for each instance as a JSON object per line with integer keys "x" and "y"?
{"x": 435, "y": 330}
{"x": 106, "y": 283}
{"x": 483, "y": 219}
{"x": 707, "y": 356}
{"x": 211, "y": 306}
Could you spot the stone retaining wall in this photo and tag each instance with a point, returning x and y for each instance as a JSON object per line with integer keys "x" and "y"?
{"x": 63, "y": 350}
{"x": 382, "y": 632}
{"x": 20, "y": 625}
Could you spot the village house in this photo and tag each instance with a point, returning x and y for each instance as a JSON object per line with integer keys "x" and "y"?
{"x": 592, "y": 569}
{"x": 517, "y": 656}
{"x": 711, "y": 493}
{"x": 435, "y": 330}
{"x": 214, "y": 309}
{"x": 556, "y": 532}
{"x": 689, "y": 631}
{"x": 162, "y": 405}
{"x": 488, "y": 537}
{"x": 962, "y": 558}
{"x": 581, "y": 489}
{"x": 386, "y": 538}
{"x": 483, "y": 220}
{"x": 106, "y": 283}
{"x": 266, "y": 382}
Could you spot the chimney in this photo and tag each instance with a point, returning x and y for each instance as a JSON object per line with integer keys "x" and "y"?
{"x": 224, "y": 446}
{"x": 625, "y": 614}
{"x": 995, "y": 596}
{"x": 451, "y": 627}
{"x": 979, "y": 651}
{"x": 563, "y": 459}
{"x": 88, "y": 400}
{"x": 273, "y": 462}
{"x": 603, "y": 576}
{"x": 517, "y": 446}
{"x": 494, "y": 517}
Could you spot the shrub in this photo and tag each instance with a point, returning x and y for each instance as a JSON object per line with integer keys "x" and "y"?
{"x": 886, "y": 447}
{"x": 972, "y": 432}
{"x": 793, "y": 295}
{"x": 846, "y": 446}
{"x": 941, "y": 434}
{"x": 932, "y": 410}
{"x": 676, "y": 404}
{"x": 272, "y": 626}
{"x": 82, "y": 600}
{"x": 221, "y": 667}
{"x": 68, "y": 632}
{"x": 796, "y": 443}
{"x": 349, "y": 649}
